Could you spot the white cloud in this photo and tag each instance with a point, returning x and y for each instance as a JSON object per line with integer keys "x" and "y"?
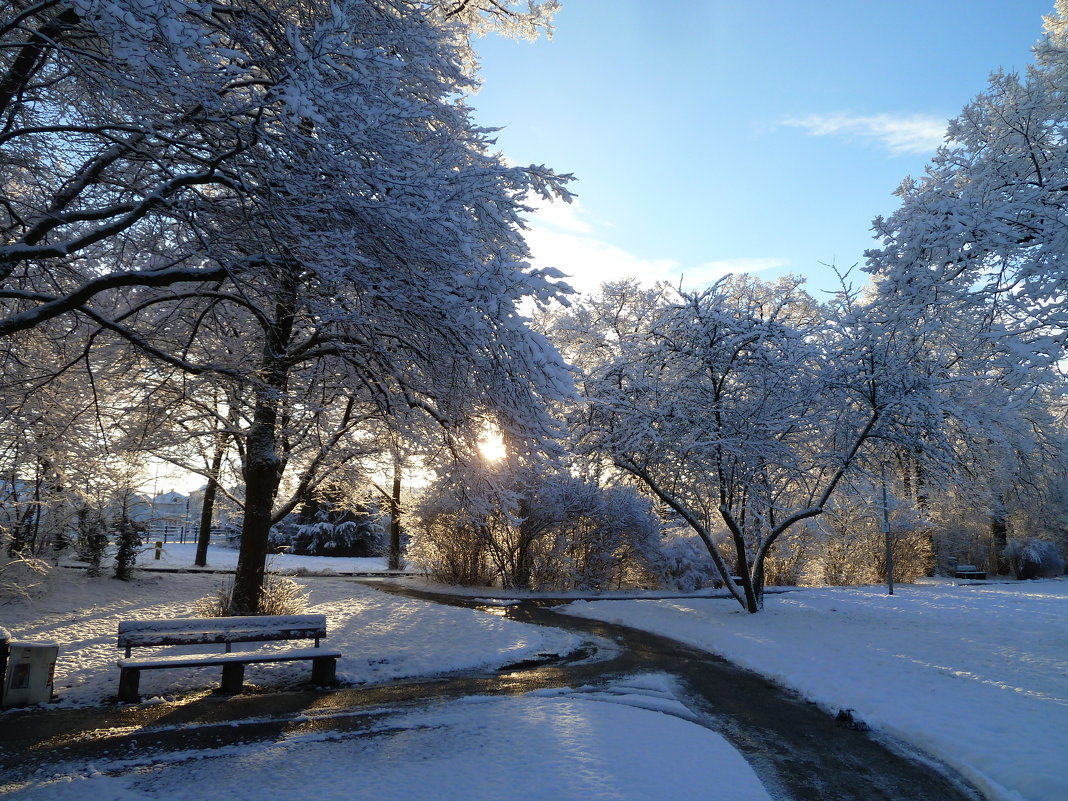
{"x": 713, "y": 270}
{"x": 914, "y": 133}
{"x": 564, "y": 237}
{"x": 590, "y": 262}
{"x": 568, "y": 216}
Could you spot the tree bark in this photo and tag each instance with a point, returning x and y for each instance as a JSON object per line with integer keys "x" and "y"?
{"x": 394, "y": 519}
{"x": 33, "y": 54}
{"x": 207, "y": 509}
{"x": 263, "y": 463}
{"x": 999, "y": 534}
{"x": 923, "y": 506}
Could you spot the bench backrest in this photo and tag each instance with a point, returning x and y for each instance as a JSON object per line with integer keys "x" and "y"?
{"x": 204, "y": 630}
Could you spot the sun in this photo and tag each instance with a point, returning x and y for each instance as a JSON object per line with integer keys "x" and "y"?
{"x": 491, "y": 446}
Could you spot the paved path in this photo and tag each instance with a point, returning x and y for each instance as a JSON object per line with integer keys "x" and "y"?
{"x": 796, "y": 748}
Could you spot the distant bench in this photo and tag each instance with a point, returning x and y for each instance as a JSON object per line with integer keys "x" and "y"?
{"x": 969, "y": 572}
{"x": 228, "y": 630}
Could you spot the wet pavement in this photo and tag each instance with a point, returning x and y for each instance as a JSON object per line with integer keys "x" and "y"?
{"x": 796, "y": 748}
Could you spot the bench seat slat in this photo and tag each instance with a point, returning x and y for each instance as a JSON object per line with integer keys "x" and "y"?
{"x": 222, "y": 623}
{"x": 208, "y": 637}
{"x": 200, "y": 630}
{"x": 236, "y": 657}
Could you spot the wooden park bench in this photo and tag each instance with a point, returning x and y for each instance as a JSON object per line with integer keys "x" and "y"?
{"x": 969, "y": 572}
{"x": 223, "y": 630}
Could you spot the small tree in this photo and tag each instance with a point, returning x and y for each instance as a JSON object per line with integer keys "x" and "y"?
{"x": 129, "y": 536}
{"x": 744, "y": 406}
{"x": 734, "y": 406}
{"x": 331, "y": 528}
{"x": 92, "y": 537}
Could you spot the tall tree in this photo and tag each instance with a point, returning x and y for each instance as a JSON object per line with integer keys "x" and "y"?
{"x": 986, "y": 221}
{"x": 315, "y": 162}
{"x": 743, "y": 407}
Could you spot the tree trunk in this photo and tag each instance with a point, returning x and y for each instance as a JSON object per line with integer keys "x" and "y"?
{"x": 758, "y": 583}
{"x": 394, "y": 519}
{"x": 904, "y": 460}
{"x": 923, "y": 506}
{"x": 752, "y": 604}
{"x": 261, "y": 483}
{"x": 207, "y": 510}
{"x": 999, "y": 534}
{"x": 263, "y": 463}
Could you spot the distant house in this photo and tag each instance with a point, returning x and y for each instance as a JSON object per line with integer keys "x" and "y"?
{"x": 172, "y": 515}
{"x": 137, "y": 507}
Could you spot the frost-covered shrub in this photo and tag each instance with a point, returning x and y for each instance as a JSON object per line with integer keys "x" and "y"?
{"x": 595, "y": 537}
{"x": 526, "y": 530}
{"x": 22, "y": 577}
{"x": 846, "y": 545}
{"x": 448, "y": 547}
{"x": 684, "y": 564}
{"x": 786, "y": 561}
{"x": 129, "y": 535}
{"x": 32, "y": 526}
{"x": 1034, "y": 558}
{"x": 281, "y": 596}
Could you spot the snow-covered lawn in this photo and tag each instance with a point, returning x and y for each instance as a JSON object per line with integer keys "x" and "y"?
{"x": 547, "y": 746}
{"x": 181, "y": 555}
{"x": 382, "y": 637}
{"x": 975, "y": 675}
{"x": 631, "y": 742}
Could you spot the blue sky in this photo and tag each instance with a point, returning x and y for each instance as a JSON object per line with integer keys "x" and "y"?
{"x": 710, "y": 135}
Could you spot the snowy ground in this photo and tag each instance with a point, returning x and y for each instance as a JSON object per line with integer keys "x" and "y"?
{"x": 631, "y": 742}
{"x": 176, "y": 555}
{"x": 382, "y": 637}
{"x": 547, "y": 746}
{"x": 976, "y": 675}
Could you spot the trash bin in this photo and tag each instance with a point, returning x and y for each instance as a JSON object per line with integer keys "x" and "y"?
{"x": 30, "y": 669}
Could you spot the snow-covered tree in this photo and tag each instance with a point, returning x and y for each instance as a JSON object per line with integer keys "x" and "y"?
{"x": 978, "y": 242}
{"x": 335, "y": 521}
{"x": 398, "y": 271}
{"x": 987, "y": 219}
{"x": 316, "y": 163}
{"x": 117, "y": 119}
{"x": 65, "y": 450}
{"x": 742, "y": 407}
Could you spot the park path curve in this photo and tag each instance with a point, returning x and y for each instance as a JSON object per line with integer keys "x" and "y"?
{"x": 798, "y": 750}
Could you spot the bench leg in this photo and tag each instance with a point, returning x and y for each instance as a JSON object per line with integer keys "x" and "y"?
{"x": 129, "y": 678}
{"x": 324, "y": 671}
{"x": 233, "y": 677}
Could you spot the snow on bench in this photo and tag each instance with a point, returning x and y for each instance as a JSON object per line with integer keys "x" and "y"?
{"x": 223, "y": 630}
{"x": 969, "y": 572}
